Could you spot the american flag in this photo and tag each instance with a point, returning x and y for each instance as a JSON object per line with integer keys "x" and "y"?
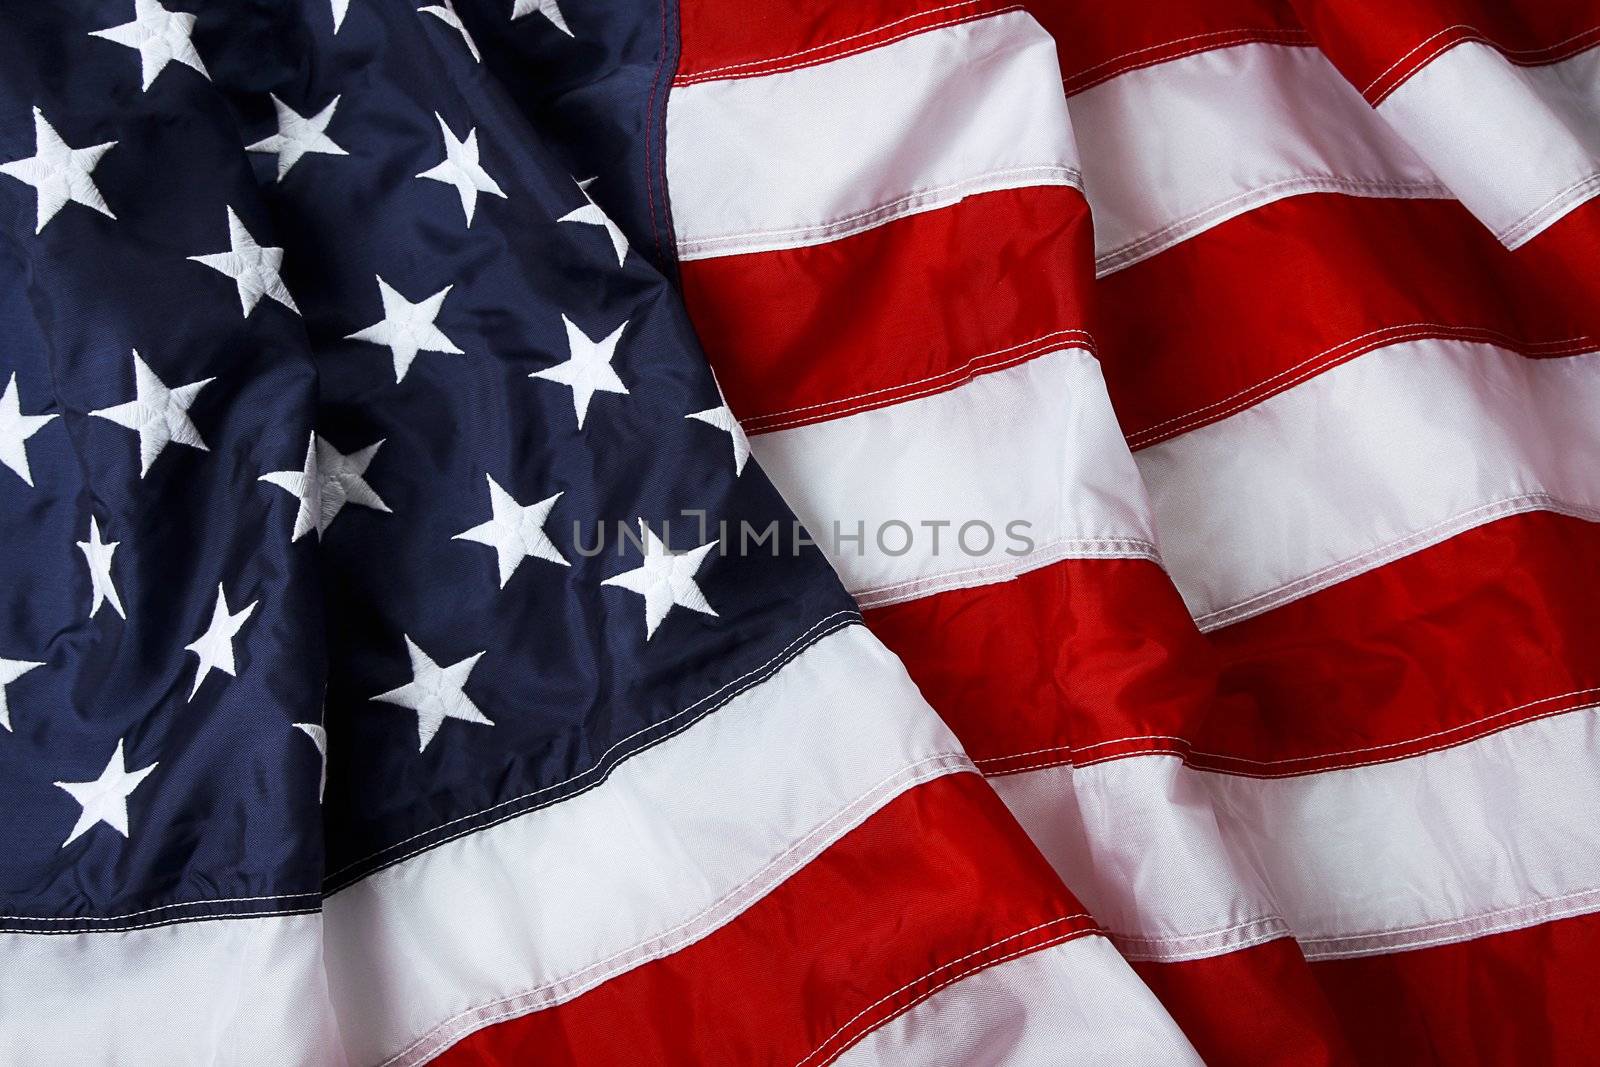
{"x": 1170, "y": 633}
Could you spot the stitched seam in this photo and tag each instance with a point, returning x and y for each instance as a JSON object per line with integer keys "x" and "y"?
{"x": 942, "y": 967}
{"x": 985, "y": 965}
{"x": 1177, "y": 955}
{"x": 1182, "y": 751}
{"x": 711, "y": 73}
{"x": 1333, "y": 572}
{"x": 1310, "y": 365}
{"x": 765, "y": 670}
{"x": 1042, "y": 556}
{"x": 910, "y": 203}
{"x": 1073, "y": 84}
{"x": 159, "y": 907}
{"x": 1441, "y": 923}
{"x": 829, "y": 831}
{"x": 1140, "y": 248}
{"x": 164, "y": 922}
{"x": 973, "y": 361}
{"x": 1204, "y": 935}
{"x": 1473, "y": 34}
{"x": 856, "y": 50}
{"x": 1513, "y": 234}
{"x": 943, "y": 387}
{"x": 649, "y": 159}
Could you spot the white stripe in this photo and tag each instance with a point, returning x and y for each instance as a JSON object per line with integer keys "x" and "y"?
{"x": 810, "y": 155}
{"x": 1520, "y": 146}
{"x": 1034, "y": 444}
{"x": 682, "y": 838}
{"x": 1492, "y": 835}
{"x": 1076, "y": 1004}
{"x": 235, "y": 991}
{"x": 1176, "y": 148}
{"x": 1371, "y": 460}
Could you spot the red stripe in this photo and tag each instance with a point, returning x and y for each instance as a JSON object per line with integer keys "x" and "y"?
{"x": 743, "y": 38}
{"x": 1089, "y": 660}
{"x": 1256, "y": 1007}
{"x": 1080, "y": 660}
{"x": 1262, "y": 302}
{"x": 1525, "y": 997}
{"x": 734, "y": 39}
{"x": 939, "y": 881}
{"x": 1379, "y": 46}
{"x": 916, "y": 306}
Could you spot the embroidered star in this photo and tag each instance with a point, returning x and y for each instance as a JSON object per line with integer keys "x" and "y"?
{"x": 435, "y": 693}
{"x": 157, "y": 414}
{"x": 340, "y": 7}
{"x": 548, "y": 8}
{"x": 105, "y": 800}
{"x": 407, "y": 328}
{"x": 298, "y": 136}
{"x": 59, "y": 173}
{"x": 10, "y": 671}
{"x": 307, "y": 488}
{"x": 515, "y": 532}
{"x": 215, "y": 646}
{"x": 15, "y": 429}
{"x": 161, "y": 36}
{"x": 591, "y": 214}
{"x": 723, "y": 419}
{"x": 98, "y": 553}
{"x": 319, "y": 737}
{"x": 340, "y": 481}
{"x": 460, "y": 168}
{"x": 665, "y": 580}
{"x": 445, "y": 12}
{"x": 253, "y": 268}
{"x": 588, "y": 369}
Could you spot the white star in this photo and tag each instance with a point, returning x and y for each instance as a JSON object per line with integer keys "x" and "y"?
{"x": 515, "y": 532}
{"x": 253, "y": 268}
{"x": 445, "y": 12}
{"x": 157, "y": 414}
{"x": 215, "y": 646}
{"x": 105, "y": 800}
{"x": 98, "y": 553}
{"x": 339, "y": 9}
{"x": 460, "y": 168}
{"x": 588, "y": 368}
{"x": 407, "y": 328}
{"x": 307, "y": 487}
{"x": 665, "y": 580}
{"x": 341, "y": 481}
{"x": 298, "y": 136}
{"x": 10, "y": 671}
{"x": 547, "y": 8}
{"x": 59, "y": 173}
{"x": 319, "y": 737}
{"x": 723, "y": 419}
{"x": 435, "y": 693}
{"x": 591, "y": 214}
{"x": 161, "y": 36}
{"x": 15, "y": 429}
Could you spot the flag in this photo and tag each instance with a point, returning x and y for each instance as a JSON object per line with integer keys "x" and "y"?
{"x": 1275, "y": 324}
{"x": 1166, "y": 636}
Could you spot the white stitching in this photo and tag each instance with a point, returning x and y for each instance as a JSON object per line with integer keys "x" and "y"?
{"x": 1462, "y": 928}
{"x": 1557, "y": 206}
{"x": 765, "y": 669}
{"x": 1006, "y": 570}
{"x": 164, "y": 922}
{"x": 1474, "y": 34}
{"x": 1409, "y": 331}
{"x": 1142, "y": 248}
{"x": 970, "y": 363}
{"x": 1337, "y": 571}
{"x": 1243, "y": 36}
{"x": 942, "y": 967}
{"x": 159, "y": 907}
{"x": 709, "y": 73}
{"x": 814, "y": 842}
{"x": 910, "y": 204}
